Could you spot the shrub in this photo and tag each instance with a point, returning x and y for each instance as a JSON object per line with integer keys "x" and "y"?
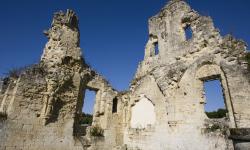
{"x": 213, "y": 128}
{"x": 220, "y": 113}
{"x": 96, "y": 131}
{"x": 15, "y": 72}
{"x": 86, "y": 119}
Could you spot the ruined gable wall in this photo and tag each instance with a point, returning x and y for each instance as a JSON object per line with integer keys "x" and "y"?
{"x": 43, "y": 108}
{"x": 175, "y": 71}
{"x": 44, "y": 104}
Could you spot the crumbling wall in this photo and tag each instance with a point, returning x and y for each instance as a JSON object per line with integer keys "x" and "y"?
{"x": 103, "y": 115}
{"x": 42, "y": 107}
{"x": 103, "y": 102}
{"x": 41, "y": 104}
{"x": 178, "y": 73}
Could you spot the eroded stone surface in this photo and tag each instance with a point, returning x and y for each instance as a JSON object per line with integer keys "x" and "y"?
{"x": 41, "y": 108}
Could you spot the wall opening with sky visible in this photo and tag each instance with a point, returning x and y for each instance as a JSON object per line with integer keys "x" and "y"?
{"x": 214, "y": 99}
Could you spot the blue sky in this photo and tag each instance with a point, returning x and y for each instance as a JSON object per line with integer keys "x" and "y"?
{"x": 214, "y": 95}
{"x": 113, "y": 32}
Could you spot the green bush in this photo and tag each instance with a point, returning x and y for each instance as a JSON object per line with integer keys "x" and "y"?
{"x": 96, "y": 131}
{"x": 86, "y": 119}
{"x": 220, "y": 113}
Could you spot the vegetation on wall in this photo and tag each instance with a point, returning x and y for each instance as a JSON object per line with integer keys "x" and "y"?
{"x": 213, "y": 128}
{"x": 86, "y": 119}
{"x": 15, "y": 72}
{"x": 220, "y": 113}
{"x": 96, "y": 131}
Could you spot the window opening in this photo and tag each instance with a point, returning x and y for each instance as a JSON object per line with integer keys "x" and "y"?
{"x": 115, "y": 102}
{"x": 156, "y": 45}
{"x": 88, "y": 106}
{"x": 215, "y": 103}
{"x": 188, "y": 32}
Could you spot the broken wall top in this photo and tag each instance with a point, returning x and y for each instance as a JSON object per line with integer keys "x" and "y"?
{"x": 168, "y": 32}
{"x": 64, "y": 40}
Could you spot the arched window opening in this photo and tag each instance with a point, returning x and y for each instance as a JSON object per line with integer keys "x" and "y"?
{"x": 215, "y": 103}
{"x": 115, "y": 104}
{"x": 188, "y": 32}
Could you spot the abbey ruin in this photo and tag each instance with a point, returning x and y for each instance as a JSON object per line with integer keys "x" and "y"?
{"x": 162, "y": 110}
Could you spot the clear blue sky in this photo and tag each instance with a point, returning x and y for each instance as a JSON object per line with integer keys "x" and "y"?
{"x": 214, "y": 96}
{"x": 113, "y": 32}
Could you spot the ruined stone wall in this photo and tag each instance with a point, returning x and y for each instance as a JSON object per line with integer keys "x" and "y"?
{"x": 41, "y": 108}
{"x": 175, "y": 76}
{"x": 41, "y": 104}
{"x": 103, "y": 115}
{"x": 163, "y": 108}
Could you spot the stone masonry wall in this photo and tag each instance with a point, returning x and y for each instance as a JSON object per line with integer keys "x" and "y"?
{"x": 175, "y": 76}
{"x": 164, "y": 107}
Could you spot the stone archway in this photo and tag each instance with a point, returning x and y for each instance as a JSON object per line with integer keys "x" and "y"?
{"x": 214, "y": 72}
